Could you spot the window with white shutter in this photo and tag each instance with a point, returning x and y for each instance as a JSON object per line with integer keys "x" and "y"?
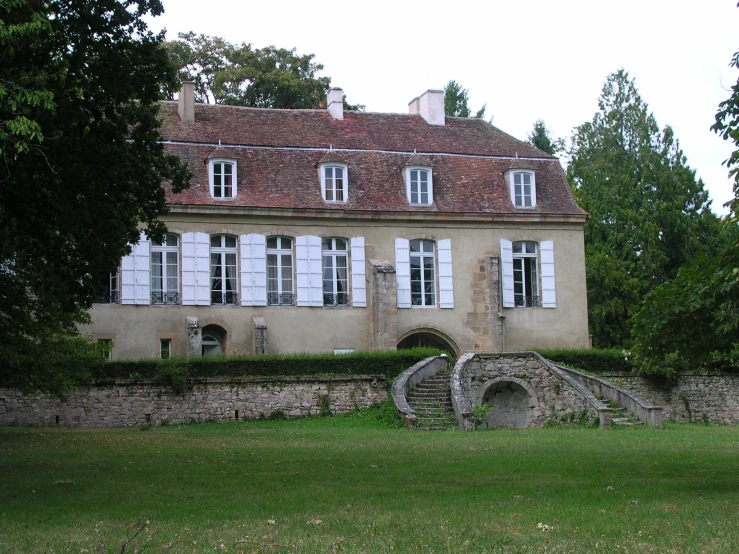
{"x": 253, "y": 270}
{"x": 506, "y": 270}
{"x": 195, "y": 269}
{"x": 308, "y": 266}
{"x": 403, "y": 272}
{"x": 135, "y": 274}
{"x": 548, "y": 296}
{"x": 359, "y": 279}
{"x": 446, "y": 287}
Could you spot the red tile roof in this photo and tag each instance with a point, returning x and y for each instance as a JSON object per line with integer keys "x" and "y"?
{"x": 278, "y": 152}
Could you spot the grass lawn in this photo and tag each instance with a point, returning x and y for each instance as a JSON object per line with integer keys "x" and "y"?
{"x": 351, "y": 484}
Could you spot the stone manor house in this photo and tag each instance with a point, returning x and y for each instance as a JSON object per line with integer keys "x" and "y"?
{"x": 323, "y": 230}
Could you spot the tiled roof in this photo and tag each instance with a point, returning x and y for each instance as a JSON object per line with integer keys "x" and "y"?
{"x": 278, "y": 151}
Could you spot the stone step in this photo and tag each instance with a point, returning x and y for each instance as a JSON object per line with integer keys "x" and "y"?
{"x": 430, "y": 404}
{"x": 625, "y": 422}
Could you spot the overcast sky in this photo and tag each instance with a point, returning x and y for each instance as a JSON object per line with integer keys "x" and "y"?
{"x": 526, "y": 59}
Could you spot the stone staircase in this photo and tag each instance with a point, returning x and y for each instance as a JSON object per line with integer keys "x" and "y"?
{"x": 620, "y": 417}
{"x": 431, "y": 400}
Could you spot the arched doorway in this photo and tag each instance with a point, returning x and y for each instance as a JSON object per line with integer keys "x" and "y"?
{"x": 512, "y": 400}
{"x": 214, "y": 340}
{"x": 430, "y": 337}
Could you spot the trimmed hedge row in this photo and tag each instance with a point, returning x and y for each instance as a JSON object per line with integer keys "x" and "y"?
{"x": 390, "y": 364}
{"x": 592, "y": 360}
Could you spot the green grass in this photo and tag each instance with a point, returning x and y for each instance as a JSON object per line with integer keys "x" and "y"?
{"x": 350, "y": 484}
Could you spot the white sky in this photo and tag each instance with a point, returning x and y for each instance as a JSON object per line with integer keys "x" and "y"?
{"x": 527, "y": 59}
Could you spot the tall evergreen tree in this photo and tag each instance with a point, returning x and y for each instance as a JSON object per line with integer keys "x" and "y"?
{"x": 649, "y": 216}
{"x": 456, "y": 102}
{"x": 541, "y": 138}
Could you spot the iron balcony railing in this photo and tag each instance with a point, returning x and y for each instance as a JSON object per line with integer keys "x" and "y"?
{"x": 165, "y": 297}
{"x": 105, "y": 297}
{"x": 280, "y": 299}
{"x": 224, "y": 298}
{"x": 522, "y": 301}
{"x": 338, "y": 299}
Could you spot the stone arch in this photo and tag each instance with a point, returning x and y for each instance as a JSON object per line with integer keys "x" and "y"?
{"x": 513, "y": 401}
{"x": 212, "y": 334}
{"x": 428, "y": 336}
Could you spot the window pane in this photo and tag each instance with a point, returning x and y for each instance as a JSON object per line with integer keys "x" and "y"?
{"x": 272, "y": 242}
{"x": 415, "y": 245}
{"x": 230, "y": 242}
{"x": 215, "y": 242}
{"x": 526, "y": 179}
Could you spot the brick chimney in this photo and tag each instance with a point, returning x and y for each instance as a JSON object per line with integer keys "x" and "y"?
{"x": 186, "y": 102}
{"x": 430, "y": 105}
{"x": 336, "y": 103}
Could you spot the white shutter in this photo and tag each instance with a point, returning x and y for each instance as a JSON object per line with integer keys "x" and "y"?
{"x": 253, "y": 270}
{"x": 128, "y": 280}
{"x": 446, "y": 287}
{"x": 301, "y": 268}
{"x": 309, "y": 267}
{"x": 315, "y": 269}
{"x": 548, "y": 296}
{"x": 188, "y": 269}
{"x": 202, "y": 269}
{"x": 359, "y": 283}
{"x": 195, "y": 269}
{"x": 506, "y": 266}
{"x": 403, "y": 272}
{"x": 142, "y": 271}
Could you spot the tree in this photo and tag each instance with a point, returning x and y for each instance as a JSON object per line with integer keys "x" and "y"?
{"x": 82, "y": 166}
{"x": 649, "y": 216}
{"x": 456, "y": 102}
{"x": 727, "y": 126}
{"x": 541, "y": 138}
{"x": 240, "y": 75}
{"x": 692, "y": 321}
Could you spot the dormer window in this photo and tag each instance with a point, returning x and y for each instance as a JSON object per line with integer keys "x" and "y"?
{"x": 334, "y": 182}
{"x": 419, "y": 186}
{"x": 523, "y": 188}
{"x": 222, "y": 177}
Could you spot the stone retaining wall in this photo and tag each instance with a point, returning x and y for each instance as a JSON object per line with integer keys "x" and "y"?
{"x": 130, "y": 403}
{"x": 715, "y": 395}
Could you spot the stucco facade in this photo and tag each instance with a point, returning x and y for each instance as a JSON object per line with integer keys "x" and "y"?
{"x": 469, "y": 282}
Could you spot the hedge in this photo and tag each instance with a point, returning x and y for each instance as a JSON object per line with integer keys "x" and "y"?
{"x": 390, "y": 364}
{"x": 593, "y": 360}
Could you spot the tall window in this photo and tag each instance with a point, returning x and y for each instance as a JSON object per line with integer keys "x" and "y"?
{"x": 106, "y": 346}
{"x": 107, "y": 291}
{"x": 333, "y": 183}
{"x": 222, "y": 178}
{"x": 525, "y": 275}
{"x": 280, "y": 271}
{"x": 223, "y": 270}
{"x": 523, "y": 190}
{"x": 165, "y": 271}
{"x": 419, "y": 186}
{"x": 335, "y": 272}
{"x": 423, "y": 278}
{"x": 165, "y": 349}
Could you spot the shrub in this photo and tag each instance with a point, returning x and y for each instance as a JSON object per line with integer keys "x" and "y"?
{"x": 594, "y": 360}
{"x": 175, "y": 371}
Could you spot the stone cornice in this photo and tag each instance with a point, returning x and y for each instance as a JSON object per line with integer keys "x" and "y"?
{"x": 366, "y": 215}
